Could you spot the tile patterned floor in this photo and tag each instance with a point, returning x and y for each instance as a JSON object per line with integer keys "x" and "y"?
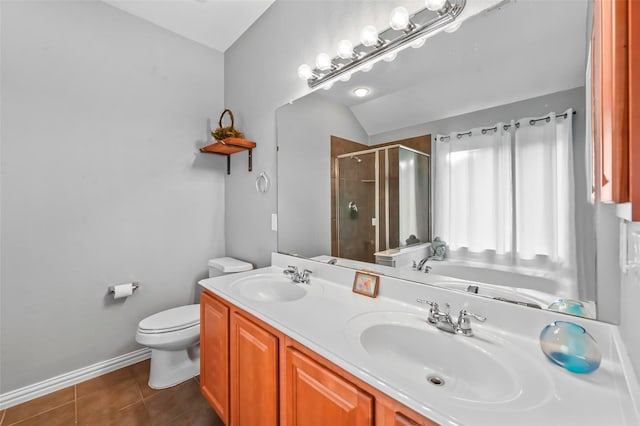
{"x": 120, "y": 398}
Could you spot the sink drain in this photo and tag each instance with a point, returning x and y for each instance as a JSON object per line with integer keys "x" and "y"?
{"x": 436, "y": 380}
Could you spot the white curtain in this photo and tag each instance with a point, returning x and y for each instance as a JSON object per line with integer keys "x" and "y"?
{"x": 472, "y": 191}
{"x": 544, "y": 191}
{"x": 506, "y": 195}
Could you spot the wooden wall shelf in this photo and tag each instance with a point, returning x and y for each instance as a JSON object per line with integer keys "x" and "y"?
{"x": 230, "y": 146}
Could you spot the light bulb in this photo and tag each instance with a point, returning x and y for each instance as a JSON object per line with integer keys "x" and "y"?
{"x": 369, "y": 35}
{"x": 345, "y": 49}
{"x": 452, "y": 27}
{"x": 434, "y": 4}
{"x": 361, "y": 92}
{"x": 305, "y": 72}
{"x": 323, "y": 61}
{"x": 345, "y": 77}
{"x": 419, "y": 43}
{"x": 399, "y": 19}
{"x": 367, "y": 68}
{"x": 389, "y": 57}
{"x": 328, "y": 86}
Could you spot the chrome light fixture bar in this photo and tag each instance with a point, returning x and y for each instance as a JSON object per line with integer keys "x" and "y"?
{"x": 385, "y": 44}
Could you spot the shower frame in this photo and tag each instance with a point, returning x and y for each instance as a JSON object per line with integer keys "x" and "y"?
{"x": 376, "y": 152}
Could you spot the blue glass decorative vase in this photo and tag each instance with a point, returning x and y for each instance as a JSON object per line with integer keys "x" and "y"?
{"x": 569, "y": 306}
{"x": 570, "y": 346}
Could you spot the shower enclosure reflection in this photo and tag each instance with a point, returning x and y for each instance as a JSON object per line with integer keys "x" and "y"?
{"x": 382, "y": 201}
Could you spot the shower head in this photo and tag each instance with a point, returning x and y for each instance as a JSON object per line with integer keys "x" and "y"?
{"x": 356, "y": 158}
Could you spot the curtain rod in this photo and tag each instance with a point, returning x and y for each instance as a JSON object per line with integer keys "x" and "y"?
{"x": 505, "y": 127}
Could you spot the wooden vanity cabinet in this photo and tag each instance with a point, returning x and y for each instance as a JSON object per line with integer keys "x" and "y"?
{"x": 238, "y": 364}
{"x": 252, "y": 374}
{"x": 214, "y": 354}
{"x": 316, "y": 396}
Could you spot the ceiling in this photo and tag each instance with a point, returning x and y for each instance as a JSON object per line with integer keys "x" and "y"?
{"x": 214, "y": 23}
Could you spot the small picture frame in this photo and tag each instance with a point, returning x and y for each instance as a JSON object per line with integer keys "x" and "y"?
{"x": 366, "y": 283}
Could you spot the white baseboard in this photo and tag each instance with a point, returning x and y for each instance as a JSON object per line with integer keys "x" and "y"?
{"x": 24, "y": 394}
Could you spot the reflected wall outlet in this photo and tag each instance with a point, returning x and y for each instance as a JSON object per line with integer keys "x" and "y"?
{"x": 274, "y": 221}
{"x": 633, "y": 244}
{"x": 630, "y": 246}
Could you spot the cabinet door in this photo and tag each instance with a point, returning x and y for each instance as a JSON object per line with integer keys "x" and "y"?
{"x": 254, "y": 374}
{"x": 315, "y": 396}
{"x": 214, "y": 354}
{"x": 610, "y": 100}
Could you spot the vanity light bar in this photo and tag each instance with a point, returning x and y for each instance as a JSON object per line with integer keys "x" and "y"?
{"x": 421, "y": 25}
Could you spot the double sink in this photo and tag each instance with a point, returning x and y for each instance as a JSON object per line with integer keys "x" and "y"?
{"x": 483, "y": 370}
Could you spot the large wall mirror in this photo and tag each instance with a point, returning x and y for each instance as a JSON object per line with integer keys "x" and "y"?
{"x": 481, "y": 137}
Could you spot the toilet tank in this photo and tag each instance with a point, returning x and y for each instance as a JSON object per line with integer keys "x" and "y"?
{"x": 227, "y": 265}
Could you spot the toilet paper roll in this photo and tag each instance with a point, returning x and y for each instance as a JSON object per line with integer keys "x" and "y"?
{"x": 122, "y": 290}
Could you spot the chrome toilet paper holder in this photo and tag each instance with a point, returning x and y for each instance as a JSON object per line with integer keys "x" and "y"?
{"x": 134, "y": 284}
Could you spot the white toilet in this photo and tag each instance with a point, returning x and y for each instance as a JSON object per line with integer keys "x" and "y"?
{"x": 174, "y": 335}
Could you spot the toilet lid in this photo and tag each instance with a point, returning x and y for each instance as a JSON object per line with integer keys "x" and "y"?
{"x": 171, "y": 320}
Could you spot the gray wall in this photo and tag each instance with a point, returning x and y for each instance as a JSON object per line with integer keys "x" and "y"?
{"x": 304, "y": 165}
{"x": 607, "y": 263}
{"x": 537, "y": 106}
{"x": 629, "y": 314}
{"x": 102, "y": 114}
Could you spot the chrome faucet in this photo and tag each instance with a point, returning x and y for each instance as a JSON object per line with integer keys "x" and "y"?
{"x": 297, "y": 276}
{"x": 444, "y": 322}
{"x": 423, "y": 265}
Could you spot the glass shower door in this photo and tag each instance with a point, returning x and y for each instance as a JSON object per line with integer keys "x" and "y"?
{"x": 413, "y": 197}
{"x": 356, "y": 207}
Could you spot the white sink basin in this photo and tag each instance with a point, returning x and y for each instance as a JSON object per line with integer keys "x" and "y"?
{"x": 270, "y": 288}
{"x": 480, "y": 370}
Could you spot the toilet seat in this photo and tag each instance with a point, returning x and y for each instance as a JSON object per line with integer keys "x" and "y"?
{"x": 171, "y": 320}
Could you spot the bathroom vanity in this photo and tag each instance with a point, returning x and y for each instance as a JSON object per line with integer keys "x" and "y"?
{"x": 278, "y": 352}
{"x": 249, "y": 366}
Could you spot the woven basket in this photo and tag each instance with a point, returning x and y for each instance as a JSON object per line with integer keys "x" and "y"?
{"x": 222, "y": 133}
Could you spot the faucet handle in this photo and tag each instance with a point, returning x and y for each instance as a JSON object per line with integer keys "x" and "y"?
{"x": 466, "y": 314}
{"x": 434, "y": 309}
{"x": 304, "y": 278}
{"x": 464, "y": 322}
{"x": 433, "y": 305}
{"x": 290, "y": 270}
